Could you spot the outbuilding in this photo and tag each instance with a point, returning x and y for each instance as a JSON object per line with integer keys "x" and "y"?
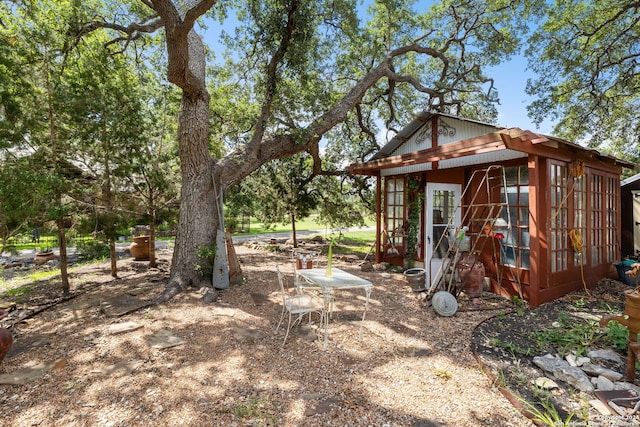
{"x": 541, "y": 214}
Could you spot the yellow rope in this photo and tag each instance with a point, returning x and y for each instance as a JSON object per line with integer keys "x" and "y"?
{"x": 578, "y": 245}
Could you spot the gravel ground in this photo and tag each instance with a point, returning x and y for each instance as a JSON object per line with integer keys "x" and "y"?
{"x": 403, "y": 366}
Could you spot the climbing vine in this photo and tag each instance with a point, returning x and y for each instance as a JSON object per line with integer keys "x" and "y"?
{"x": 415, "y": 200}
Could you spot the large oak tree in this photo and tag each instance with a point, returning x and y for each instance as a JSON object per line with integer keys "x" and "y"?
{"x": 298, "y": 71}
{"x": 586, "y": 56}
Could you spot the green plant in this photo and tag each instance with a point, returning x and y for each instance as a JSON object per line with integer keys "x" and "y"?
{"x": 92, "y": 250}
{"x": 416, "y": 201}
{"x": 571, "y": 335}
{"x": 547, "y": 415}
{"x": 15, "y": 292}
{"x": 254, "y": 409}
{"x": 618, "y": 335}
{"x": 206, "y": 256}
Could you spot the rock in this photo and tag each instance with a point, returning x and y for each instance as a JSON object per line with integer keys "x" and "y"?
{"x": 163, "y": 339}
{"x": 119, "y": 328}
{"x": 545, "y": 383}
{"x": 623, "y": 385}
{"x": 582, "y": 360}
{"x": 597, "y": 370}
{"x": 600, "y": 407}
{"x": 32, "y": 373}
{"x": 247, "y": 334}
{"x": 606, "y": 354}
{"x": 571, "y": 359}
{"x": 574, "y": 376}
{"x": 367, "y": 267}
{"x": 603, "y": 383}
{"x": 549, "y": 362}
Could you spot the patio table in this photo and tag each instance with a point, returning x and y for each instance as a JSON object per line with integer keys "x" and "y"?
{"x": 339, "y": 279}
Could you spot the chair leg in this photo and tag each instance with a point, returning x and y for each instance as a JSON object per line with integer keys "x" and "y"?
{"x": 281, "y": 319}
{"x": 288, "y": 329}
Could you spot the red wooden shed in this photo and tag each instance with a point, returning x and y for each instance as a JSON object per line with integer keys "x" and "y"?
{"x": 541, "y": 213}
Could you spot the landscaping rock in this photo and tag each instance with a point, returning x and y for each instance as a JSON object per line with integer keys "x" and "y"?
{"x": 574, "y": 376}
{"x": 607, "y": 354}
{"x": 549, "y": 362}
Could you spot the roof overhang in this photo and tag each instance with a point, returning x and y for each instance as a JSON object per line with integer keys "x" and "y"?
{"x": 514, "y": 139}
{"x": 501, "y": 140}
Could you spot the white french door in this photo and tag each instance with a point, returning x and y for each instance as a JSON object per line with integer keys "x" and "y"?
{"x": 441, "y": 209}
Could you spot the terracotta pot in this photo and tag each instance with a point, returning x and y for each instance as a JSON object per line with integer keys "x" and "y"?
{"x": 471, "y": 272}
{"x": 43, "y": 257}
{"x": 6, "y": 339}
{"x": 140, "y": 247}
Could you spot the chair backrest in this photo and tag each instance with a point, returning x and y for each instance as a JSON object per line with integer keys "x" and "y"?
{"x": 283, "y": 291}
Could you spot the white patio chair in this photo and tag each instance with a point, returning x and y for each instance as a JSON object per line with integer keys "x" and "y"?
{"x": 299, "y": 304}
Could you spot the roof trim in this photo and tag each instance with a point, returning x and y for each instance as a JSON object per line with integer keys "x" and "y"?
{"x": 407, "y": 132}
{"x": 494, "y": 141}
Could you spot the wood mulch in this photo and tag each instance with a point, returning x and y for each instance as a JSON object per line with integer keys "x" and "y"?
{"x": 224, "y": 363}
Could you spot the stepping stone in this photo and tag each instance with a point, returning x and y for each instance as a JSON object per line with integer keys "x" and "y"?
{"x": 23, "y": 344}
{"x": 32, "y": 373}
{"x": 247, "y": 334}
{"x": 259, "y": 299}
{"x": 163, "y": 339}
{"x": 120, "y": 328}
{"x": 224, "y": 311}
{"x": 123, "y": 367}
{"x": 121, "y": 305}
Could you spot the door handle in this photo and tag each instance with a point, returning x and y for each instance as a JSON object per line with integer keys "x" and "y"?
{"x": 637, "y": 222}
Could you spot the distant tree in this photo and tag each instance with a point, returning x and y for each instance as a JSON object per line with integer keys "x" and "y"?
{"x": 285, "y": 195}
{"x": 587, "y": 59}
{"x": 304, "y": 68}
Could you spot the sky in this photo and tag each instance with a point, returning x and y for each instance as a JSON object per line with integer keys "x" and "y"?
{"x": 510, "y": 79}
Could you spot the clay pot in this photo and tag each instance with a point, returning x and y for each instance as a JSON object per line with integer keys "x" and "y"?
{"x": 43, "y": 257}
{"x": 471, "y": 272}
{"x": 140, "y": 247}
{"x": 6, "y": 339}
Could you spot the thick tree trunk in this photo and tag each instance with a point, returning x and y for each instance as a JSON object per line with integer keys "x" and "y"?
{"x": 198, "y": 219}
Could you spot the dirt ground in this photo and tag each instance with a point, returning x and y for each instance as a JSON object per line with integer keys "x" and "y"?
{"x": 102, "y": 358}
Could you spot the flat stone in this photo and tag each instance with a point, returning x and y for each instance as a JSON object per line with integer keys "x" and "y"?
{"x": 597, "y": 370}
{"x": 163, "y": 339}
{"x": 549, "y": 362}
{"x": 121, "y": 305}
{"x": 247, "y": 334}
{"x": 603, "y": 383}
{"x": 605, "y": 354}
{"x": 574, "y": 376}
{"x": 259, "y": 299}
{"x": 120, "y": 328}
{"x": 124, "y": 367}
{"x": 600, "y": 407}
{"x": 23, "y": 344}
{"x": 32, "y": 373}
{"x": 224, "y": 311}
{"x": 545, "y": 383}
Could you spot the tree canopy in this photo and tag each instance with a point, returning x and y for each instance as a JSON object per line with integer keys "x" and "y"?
{"x": 586, "y": 57}
{"x": 292, "y": 76}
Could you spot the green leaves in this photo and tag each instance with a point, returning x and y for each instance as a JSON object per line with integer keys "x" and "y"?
{"x": 585, "y": 54}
